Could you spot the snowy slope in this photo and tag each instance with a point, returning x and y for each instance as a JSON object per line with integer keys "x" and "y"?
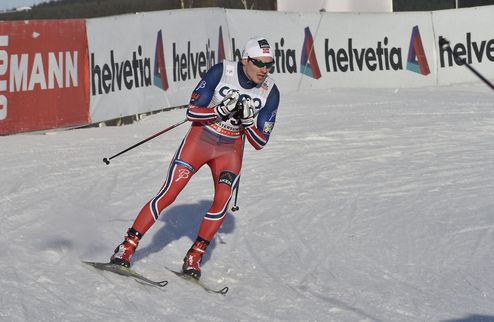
{"x": 366, "y": 205}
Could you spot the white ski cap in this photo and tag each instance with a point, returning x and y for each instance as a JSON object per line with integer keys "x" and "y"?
{"x": 257, "y": 47}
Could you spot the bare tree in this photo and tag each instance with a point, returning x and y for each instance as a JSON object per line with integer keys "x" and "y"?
{"x": 244, "y": 2}
{"x": 190, "y": 4}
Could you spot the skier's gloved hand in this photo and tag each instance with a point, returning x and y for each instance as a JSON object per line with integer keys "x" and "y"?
{"x": 228, "y": 105}
{"x": 247, "y": 111}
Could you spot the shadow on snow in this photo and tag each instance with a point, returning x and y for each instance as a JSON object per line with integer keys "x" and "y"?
{"x": 183, "y": 221}
{"x": 473, "y": 318}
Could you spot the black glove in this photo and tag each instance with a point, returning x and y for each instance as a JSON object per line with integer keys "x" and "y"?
{"x": 247, "y": 112}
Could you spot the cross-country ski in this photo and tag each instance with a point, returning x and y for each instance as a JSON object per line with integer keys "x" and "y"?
{"x": 121, "y": 270}
{"x": 199, "y": 283}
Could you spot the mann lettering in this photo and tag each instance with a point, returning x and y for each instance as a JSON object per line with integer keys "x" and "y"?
{"x": 27, "y": 72}
{"x": 4, "y": 59}
{"x": 24, "y": 72}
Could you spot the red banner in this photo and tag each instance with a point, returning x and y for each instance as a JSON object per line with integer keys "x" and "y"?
{"x": 44, "y": 80}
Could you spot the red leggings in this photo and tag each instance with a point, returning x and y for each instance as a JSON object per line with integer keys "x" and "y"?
{"x": 199, "y": 147}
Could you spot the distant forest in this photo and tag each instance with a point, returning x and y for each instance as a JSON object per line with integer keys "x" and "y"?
{"x": 430, "y": 5}
{"x": 66, "y": 9}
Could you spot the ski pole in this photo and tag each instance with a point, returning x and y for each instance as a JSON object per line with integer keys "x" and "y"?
{"x": 444, "y": 43}
{"x": 107, "y": 160}
{"x": 235, "y": 206}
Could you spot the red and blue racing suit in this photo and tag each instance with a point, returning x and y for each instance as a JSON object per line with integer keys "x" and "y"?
{"x": 215, "y": 142}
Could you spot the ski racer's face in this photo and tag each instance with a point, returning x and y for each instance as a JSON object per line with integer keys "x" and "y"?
{"x": 257, "y": 68}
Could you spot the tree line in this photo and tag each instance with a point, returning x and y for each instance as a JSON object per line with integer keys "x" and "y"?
{"x": 70, "y": 9}
{"x": 431, "y": 5}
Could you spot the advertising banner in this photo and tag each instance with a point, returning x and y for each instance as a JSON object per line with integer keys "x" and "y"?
{"x": 335, "y": 6}
{"x": 328, "y": 50}
{"x": 375, "y": 50}
{"x": 65, "y": 73}
{"x": 290, "y": 35}
{"x": 145, "y": 62}
{"x": 43, "y": 75}
{"x": 470, "y": 32}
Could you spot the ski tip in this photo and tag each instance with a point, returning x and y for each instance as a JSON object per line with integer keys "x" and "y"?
{"x": 224, "y": 290}
{"x": 152, "y": 283}
{"x": 198, "y": 282}
{"x": 88, "y": 262}
{"x": 92, "y": 262}
{"x": 96, "y": 264}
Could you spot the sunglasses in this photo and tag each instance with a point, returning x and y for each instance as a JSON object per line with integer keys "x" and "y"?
{"x": 261, "y": 64}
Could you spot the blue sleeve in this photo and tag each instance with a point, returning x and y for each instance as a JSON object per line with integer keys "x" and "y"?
{"x": 204, "y": 91}
{"x": 267, "y": 116}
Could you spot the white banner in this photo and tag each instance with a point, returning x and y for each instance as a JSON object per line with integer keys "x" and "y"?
{"x": 284, "y": 31}
{"x": 375, "y": 50}
{"x": 149, "y": 61}
{"x": 327, "y": 50}
{"x": 335, "y": 5}
{"x": 471, "y": 35}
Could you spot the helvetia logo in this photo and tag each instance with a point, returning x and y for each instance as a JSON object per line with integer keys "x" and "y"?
{"x": 417, "y": 61}
{"x": 221, "y": 46}
{"x": 180, "y": 63}
{"x": 471, "y": 50}
{"x": 308, "y": 61}
{"x": 160, "y": 78}
{"x": 126, "y": 74}
{"x": 138, "y": 71}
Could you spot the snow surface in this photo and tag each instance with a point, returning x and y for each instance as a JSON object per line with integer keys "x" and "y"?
{"x": 366, "y": 205}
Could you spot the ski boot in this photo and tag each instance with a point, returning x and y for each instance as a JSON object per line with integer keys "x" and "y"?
{"x": 193, "y": 258}
{"x": 124, "y": 251}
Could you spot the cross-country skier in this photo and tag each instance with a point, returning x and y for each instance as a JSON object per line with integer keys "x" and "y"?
{"x": 232, "y": 101}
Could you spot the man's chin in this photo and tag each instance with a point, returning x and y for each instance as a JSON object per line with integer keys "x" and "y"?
{"x": 260, "y": 79}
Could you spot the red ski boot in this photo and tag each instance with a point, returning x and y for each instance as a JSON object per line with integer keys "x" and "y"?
{"x": 124, "y": 251}
{"x": 193, "y": 258}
